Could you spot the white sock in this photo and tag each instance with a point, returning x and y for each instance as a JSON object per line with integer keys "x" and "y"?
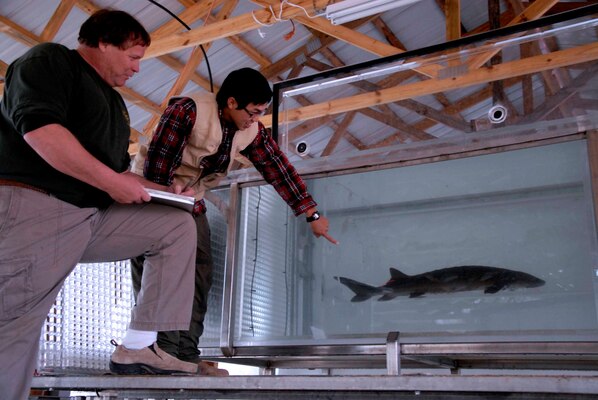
{"x": 136, "y": 340}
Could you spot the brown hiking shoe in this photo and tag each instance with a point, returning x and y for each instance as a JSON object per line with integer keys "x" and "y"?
{"x": 209, "y": 368}
{"x": 149, "y": 360}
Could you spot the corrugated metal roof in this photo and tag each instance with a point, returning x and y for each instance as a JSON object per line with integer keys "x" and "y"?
{"x": 417, "y": 25}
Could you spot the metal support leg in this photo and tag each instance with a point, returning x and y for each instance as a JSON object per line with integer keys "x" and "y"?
{"x": 267, "y": 371}
{"x": 393, "y": 354}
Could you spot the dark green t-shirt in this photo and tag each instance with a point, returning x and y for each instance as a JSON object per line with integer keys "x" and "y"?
{"x": 53, "y": 84}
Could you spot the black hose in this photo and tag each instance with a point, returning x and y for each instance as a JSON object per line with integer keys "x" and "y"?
{"x": 173, "y": 15}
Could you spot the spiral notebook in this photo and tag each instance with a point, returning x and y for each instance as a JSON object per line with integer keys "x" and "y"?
{"x": 176, "y": 200}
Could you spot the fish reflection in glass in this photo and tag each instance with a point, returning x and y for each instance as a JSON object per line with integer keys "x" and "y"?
{"x": 446, "y": 280}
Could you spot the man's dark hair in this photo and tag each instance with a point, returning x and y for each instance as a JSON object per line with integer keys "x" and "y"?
{"x": 113, "y": 27}
{"x": 246, "y": 85}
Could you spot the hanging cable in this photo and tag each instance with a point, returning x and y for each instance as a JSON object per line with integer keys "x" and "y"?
{"x": 173, "y": 15}
{"x": 257, "y": 228}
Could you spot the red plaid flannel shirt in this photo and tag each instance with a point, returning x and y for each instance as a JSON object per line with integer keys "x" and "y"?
{"x": 166, "y": 150}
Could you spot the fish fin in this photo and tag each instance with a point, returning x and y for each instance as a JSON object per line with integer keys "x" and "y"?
{"x": 493, "y": 289}
{"x": 414, "y": 295}
{"x": 362, "y": 291}
{"x": 396, "y": 274}
{"x": 360, "y": 297}
{"x": 388, "y": 296}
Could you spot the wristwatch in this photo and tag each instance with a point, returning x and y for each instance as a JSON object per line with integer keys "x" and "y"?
{"x": 314, "y": 217}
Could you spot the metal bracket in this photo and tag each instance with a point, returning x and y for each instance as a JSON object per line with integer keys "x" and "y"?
{"x": 393, "y": 354}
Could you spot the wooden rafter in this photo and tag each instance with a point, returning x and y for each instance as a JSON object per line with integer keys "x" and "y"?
{"x": 188, "y": 70}
{"x": 534, "y": 11}
{"x": 190, "y": 15}
{"x": 563, "y": 58}
{"x": 57, "y": 19}
{"x": 18, "y": 33}
{"x": 562, "y": 96}
{"x": 232, "y": 26}
{"x": 425, "y": 80}
{"x": 452, "y": 11}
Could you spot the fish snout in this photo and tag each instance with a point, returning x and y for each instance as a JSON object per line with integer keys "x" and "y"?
{"x": 537, "y": 282}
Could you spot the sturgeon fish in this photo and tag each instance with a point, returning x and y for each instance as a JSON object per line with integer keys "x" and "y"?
{"x": 446, "y": 280}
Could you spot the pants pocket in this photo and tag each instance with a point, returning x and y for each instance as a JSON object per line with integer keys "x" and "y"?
{"x": 16, "y": 288}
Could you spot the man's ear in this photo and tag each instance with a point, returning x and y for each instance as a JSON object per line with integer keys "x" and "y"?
{"x": 232, "y": 103}
{"x": 102, "y": 46}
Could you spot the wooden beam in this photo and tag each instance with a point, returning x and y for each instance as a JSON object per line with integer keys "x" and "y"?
{"x": 56, "y": 20}
{"x": 297, "y": 56}
{"x": 511, "y": 69}
{"x": 393, "y": 120}
{"x": 391, "y": 139}
{"x": 190, "y": 15}
{"x": 554, "y": 101}
{"x": 452, "y": 11}
{"x": 350, "y": 36}
{"x": 421, "y": 109}
{"x": 388, "y": 33}
{"x": 18, "y": 33}
{"x": 568, "y": 6}
{"x": 187, "y": 3}
{"x": 338, "y": 134}
{"x": 435, "y": 115}
{"x": 386, "y": 115}
{"x": 534, "y": 11}
{"x": 526, "y": 82}
{"x": 505, "y": 18}
{"x": 249, "y": 50}
{"x": 307, "y": 126}
{"x": 3, "y": 68}
{"x": 555, "y": 79}
{"x": 87, "y": 6}
{"x": 232, "y": 26}
{"x": 361, "y": 41}
{"x": 140, "y": 101}
{"x": 177, "y": 65}
{"x": 188, "y": 70}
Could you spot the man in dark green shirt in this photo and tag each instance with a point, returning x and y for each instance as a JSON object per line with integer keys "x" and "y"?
{"x": 66, "y": 197}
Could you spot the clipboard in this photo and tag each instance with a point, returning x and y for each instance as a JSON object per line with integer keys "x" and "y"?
{"x": 170, "y": 199}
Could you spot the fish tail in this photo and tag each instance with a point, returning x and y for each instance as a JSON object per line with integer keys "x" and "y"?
{"x": 362, "y": 291}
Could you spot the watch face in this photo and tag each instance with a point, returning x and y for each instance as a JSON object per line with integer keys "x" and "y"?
{"x": 314, "y": 217}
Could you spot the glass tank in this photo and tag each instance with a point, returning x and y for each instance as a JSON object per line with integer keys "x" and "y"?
{"x": 490, "y": 247}
{"x": 529, "y": 77}
{"x": 456, "y": 179}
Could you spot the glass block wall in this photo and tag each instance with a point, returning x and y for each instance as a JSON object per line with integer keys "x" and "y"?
{"x": 92, "y": 308}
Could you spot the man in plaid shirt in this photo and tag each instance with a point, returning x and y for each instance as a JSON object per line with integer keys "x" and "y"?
{"x": 193, "y": 147}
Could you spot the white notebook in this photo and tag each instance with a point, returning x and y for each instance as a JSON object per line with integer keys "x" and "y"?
{"x": 176, "y": 200}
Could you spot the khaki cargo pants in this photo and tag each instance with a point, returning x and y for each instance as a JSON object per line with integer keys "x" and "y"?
{"x": 41, "y": 241}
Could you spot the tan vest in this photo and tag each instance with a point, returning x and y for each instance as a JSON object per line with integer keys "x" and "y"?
{"x": 205, "y": 139}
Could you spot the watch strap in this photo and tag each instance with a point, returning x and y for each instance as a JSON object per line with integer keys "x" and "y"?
{"x": 314, "y": 217}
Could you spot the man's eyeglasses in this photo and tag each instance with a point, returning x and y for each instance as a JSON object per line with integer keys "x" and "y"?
{"x": 257, "y": 113}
